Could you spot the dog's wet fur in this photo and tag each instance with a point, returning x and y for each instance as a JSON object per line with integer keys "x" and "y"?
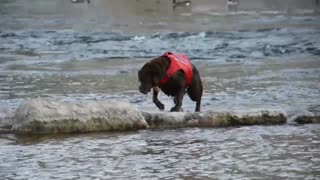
{"x": 155, "y": 70}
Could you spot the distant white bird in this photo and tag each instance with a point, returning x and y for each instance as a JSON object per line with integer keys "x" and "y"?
{"x": 181, "y": 3}
{"x": 233, "y": 4}
{"x": 80, "y": 1}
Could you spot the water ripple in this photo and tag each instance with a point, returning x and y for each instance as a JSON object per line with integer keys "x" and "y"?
{"x": 244, "y": 152}
{"x": 204, "y": 45}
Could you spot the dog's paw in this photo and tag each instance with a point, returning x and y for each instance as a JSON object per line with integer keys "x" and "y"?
{"x": 161, "y": 107}
{"x": 175, "y": 109}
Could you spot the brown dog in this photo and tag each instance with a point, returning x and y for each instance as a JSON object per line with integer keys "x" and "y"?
{"x": 173, "y": 73}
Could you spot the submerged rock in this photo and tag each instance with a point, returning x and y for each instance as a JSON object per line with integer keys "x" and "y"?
{"x": 304, "y": 116}
{"x": 302, "y": 119}
{"x": 47, "y": 117}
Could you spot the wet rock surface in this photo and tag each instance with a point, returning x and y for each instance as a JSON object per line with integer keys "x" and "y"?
{"x": 214, "y": 119}
{"x": 40, "y": 116}
{"x": 51, "y": 117}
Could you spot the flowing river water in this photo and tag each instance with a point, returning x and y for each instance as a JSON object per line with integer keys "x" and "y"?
{"x": 262, "y": 54}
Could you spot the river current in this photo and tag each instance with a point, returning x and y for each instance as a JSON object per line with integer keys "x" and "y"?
{"x": 264, "y": 55}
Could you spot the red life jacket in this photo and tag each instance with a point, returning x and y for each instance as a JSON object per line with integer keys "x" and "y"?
{"x": 178, "y": 62}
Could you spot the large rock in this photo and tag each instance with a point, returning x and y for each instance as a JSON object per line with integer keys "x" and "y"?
{"x": 41, "y": 116}
{"x": 47, "y": 117}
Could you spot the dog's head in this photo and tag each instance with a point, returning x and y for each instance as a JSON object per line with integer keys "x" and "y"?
{"x": 151, "y": 73}
{"x": 146, "y": 78}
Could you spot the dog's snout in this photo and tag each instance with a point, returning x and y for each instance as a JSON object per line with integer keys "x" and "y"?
{"x": 143, "y": 90}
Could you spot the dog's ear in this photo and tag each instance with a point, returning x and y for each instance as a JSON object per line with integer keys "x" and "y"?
{"x": 156, "y": 74}
{"x": 156, "y": 79}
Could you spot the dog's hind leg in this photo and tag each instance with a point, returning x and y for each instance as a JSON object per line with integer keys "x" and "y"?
{"x": 195, "y": 94}
{"x": 155, "y": 98}
{"x": 195, "y": 89}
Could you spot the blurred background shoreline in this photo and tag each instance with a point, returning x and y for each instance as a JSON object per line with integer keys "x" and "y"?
{"x": 156, "y": 15}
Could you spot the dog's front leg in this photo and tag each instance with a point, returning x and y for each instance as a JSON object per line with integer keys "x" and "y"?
{"x": 155, "y": 98}
{"x": 178, "y": 101}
